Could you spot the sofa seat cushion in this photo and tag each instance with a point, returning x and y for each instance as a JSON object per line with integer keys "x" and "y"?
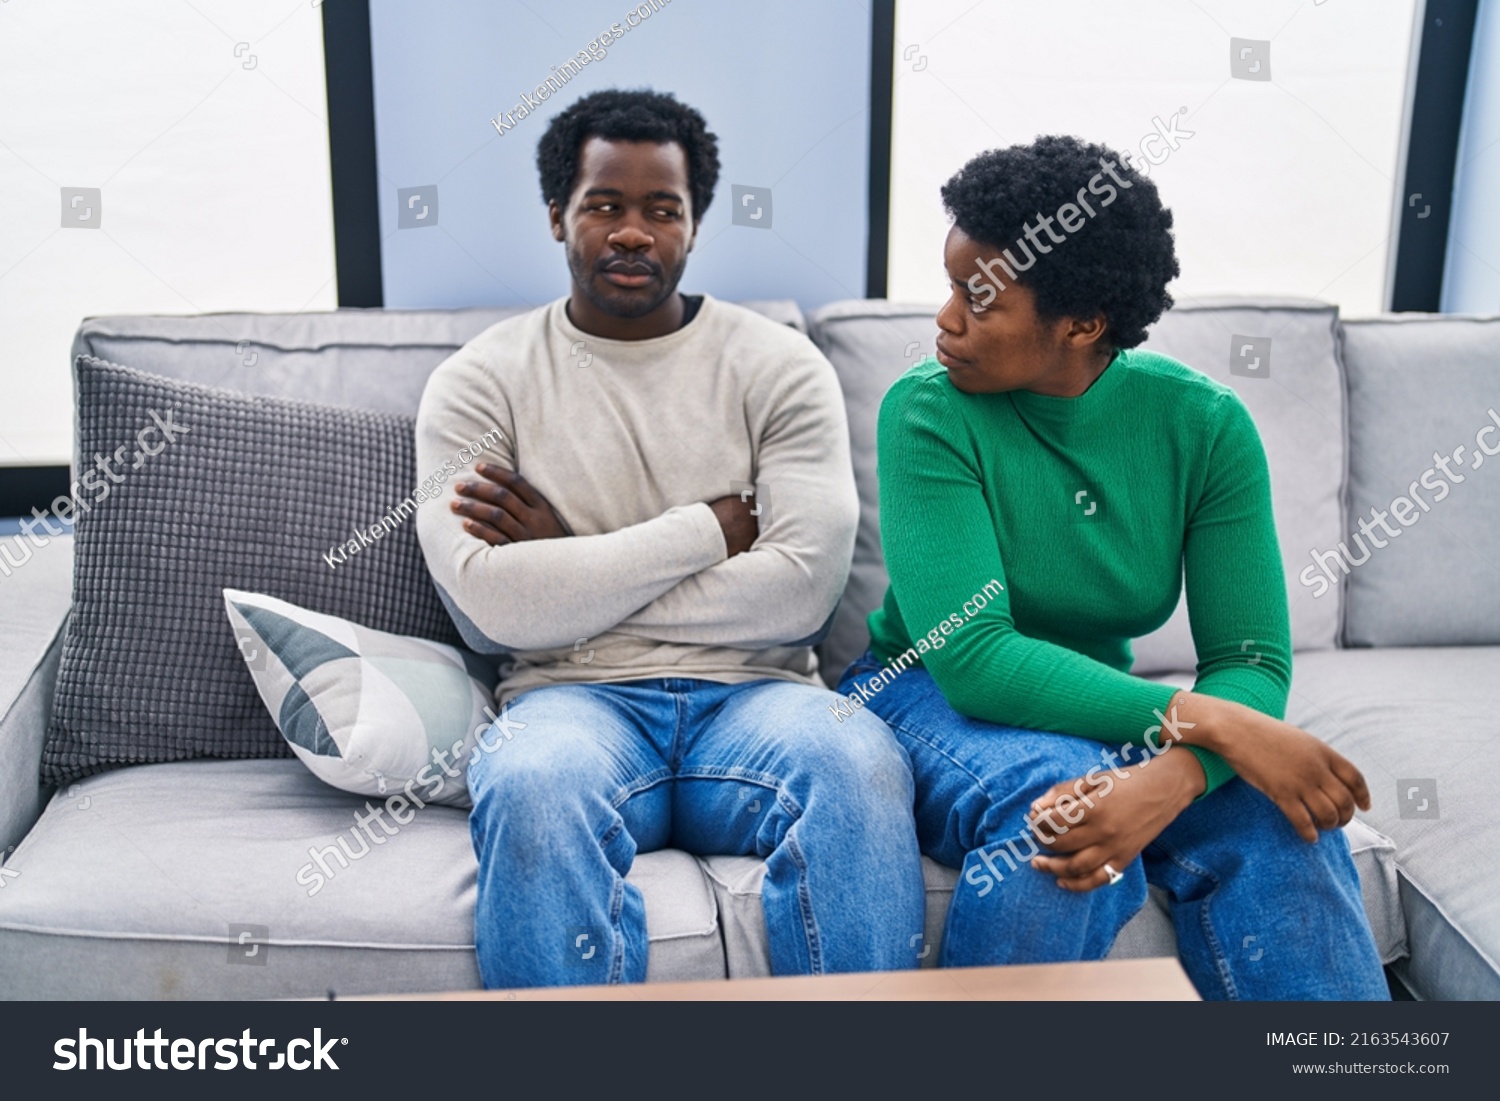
{"x": 1424, "y": 727}
{"x": 138, "y": 883}
{"x": 737, "y": 882}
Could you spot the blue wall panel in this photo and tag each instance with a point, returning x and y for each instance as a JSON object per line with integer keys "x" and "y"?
{"x": 1471, "y": 281}
{"x": 783, "y": 83}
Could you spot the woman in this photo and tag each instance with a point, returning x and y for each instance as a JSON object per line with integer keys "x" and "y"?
{"x": 1045, "y": 486}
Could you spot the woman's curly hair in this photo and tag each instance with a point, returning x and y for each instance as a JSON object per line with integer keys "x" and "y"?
{"x": 1117, "y": 264}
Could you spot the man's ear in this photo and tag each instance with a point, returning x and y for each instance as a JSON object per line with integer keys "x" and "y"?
{"x": 555, "y": 217}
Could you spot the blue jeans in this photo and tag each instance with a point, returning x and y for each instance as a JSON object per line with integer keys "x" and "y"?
{"x": 603, "y": 771}
{"x": 1259, "y": 913}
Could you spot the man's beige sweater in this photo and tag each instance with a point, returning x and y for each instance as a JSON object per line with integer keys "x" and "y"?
{"x": 629, "y": 441}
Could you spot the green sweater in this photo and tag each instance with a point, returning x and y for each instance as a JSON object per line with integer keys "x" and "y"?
{"x": 1089, "y": 512}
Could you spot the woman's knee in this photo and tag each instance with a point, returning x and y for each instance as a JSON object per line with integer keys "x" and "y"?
{"x": 1239, "y": 828}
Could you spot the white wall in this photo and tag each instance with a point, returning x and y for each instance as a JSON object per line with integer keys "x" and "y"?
{"x": 213, "y": 179}
{"x": 1471, "y": 275}
{"x": 1287, "y": 186}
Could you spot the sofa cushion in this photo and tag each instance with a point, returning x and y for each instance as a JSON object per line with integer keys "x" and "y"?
{"x": 252, "y": 494}
{"x": 34, "y": 609}
{"x": 373, "y": 359}
{"x": 1421, "y": 386}
{"x": 1296, "y": 395}
{"x": 737, "y": 882}
{"x": 138, "y": 883}
{"x": 1423, "y": 725}
{"x": 870, "y": 344}
{"x": 1298, "y": 408}
{"x": 367, "y": 712}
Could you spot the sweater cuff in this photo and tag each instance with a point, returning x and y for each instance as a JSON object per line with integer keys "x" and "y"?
{"x": 1215, "y": 769}
{"x": 709, "y": 531}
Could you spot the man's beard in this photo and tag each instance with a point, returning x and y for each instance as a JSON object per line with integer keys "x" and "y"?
{"x": 623, "y": 303}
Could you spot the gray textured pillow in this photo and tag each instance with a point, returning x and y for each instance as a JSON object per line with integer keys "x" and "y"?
{"x": 251, "y": 494}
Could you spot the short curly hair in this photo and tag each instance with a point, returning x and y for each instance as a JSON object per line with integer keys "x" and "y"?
{"x": 1117, "y": 264}
{"x": 615, "y": 115}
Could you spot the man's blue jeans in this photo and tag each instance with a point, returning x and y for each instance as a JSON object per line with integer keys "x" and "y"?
{"x": 603, "y": 771}
{"x": 1259, "y": 913}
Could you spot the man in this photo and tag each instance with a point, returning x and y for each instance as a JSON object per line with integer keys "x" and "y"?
{"x": 663, "y": 534}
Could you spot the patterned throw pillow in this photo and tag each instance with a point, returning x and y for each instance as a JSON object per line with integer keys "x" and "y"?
{"x": 366, "y": 711}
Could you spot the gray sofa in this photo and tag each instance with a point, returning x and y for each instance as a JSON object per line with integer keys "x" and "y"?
{"x": 143, "y": 882}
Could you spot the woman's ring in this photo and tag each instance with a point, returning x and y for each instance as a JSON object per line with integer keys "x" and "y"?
{"x": 1114, "y": 876}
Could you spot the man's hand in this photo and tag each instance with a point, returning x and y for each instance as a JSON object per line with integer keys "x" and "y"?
{"x": 1128, "y": 814}
{"x": 505, "y": 508}
{"x": 1315, "y": 787}
{"x": 741, "y": 529}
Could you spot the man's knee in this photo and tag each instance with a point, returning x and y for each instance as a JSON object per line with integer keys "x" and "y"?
{"x": 869, "y": 757}
{"x": 525, "y": 794}
{"x": 861, "y": 748}
{"x": 856, "y": 760}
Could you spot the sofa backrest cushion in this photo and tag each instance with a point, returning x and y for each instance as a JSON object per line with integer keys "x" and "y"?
{"x": 1421, "y": 387}
{"x": 354, "y": 358}
{"x": 1295, "y": 395}
{"x": 236, "y": 492}
{"x": 870, "y": 344}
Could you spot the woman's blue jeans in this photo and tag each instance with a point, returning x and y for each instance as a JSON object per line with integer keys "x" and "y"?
{"x": 589, "y": 775}
{"x": 1259, "y": 913}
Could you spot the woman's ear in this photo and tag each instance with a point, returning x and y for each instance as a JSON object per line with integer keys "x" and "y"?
{"x": 1086, "y": 331}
